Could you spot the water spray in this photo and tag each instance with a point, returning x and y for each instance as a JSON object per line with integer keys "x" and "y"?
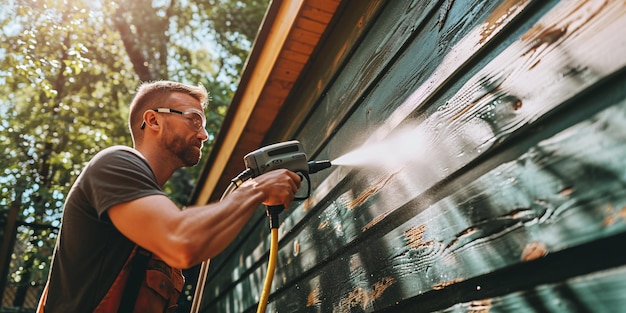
{"x": 402, "y": 146}
{"x": 394, "y": 150}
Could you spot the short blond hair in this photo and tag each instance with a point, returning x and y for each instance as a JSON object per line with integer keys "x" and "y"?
{"x": 151, "y": 95}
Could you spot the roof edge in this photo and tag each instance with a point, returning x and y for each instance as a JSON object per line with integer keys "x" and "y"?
{"x": 272, "y": 35}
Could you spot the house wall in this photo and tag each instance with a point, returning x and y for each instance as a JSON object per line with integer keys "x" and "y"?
{"x": 493, "y": 170}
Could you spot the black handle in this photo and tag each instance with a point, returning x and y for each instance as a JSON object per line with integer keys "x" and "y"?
{"x": 273, "y": 211}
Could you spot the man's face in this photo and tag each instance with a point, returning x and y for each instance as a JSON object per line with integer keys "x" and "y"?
{"x": 185, "y": 134}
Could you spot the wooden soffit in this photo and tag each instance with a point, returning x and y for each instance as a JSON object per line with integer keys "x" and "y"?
{"x": 288, "y": 36}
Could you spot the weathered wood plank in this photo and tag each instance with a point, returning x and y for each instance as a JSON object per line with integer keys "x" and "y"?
{"x": 370, "y": 116}
{"x": 459, "y": 147}
{"x": 553, "y": 269}
{"x": 369, "y": 184}
{"x": 361, "y": 15}
{"x": 566, "y": 191}
{"x": 398, "y": 45}
{"x": 376, "y": 68}
{"x": 468, "y": 107}
{"x": 431, "y": 59}
{"x": 598, "y": 292}
{"x": 409, "y": 21}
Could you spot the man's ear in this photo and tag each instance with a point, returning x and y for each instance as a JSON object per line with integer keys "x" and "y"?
{"x": 150, "y": 118}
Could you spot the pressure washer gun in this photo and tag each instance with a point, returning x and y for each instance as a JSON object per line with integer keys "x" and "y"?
{"x": 288, "y": 155}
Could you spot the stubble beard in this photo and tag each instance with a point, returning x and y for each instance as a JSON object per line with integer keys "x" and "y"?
{"x": 185, "y": 151}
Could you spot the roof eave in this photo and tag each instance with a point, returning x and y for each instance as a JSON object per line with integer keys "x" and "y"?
{"x": 286, "y": 41}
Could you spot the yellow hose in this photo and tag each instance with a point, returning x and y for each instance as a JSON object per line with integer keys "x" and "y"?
{"x": 271, "y": 265}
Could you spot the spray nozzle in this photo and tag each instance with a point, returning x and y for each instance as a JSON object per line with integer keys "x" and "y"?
{"x": 243, "y": 176}
{"x": 316, "y": 166}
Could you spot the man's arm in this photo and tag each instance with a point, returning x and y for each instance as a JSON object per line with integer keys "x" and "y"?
{"x": 185, "y": 238}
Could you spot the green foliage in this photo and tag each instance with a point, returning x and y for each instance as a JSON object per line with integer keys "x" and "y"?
{"x": 63, "y": 99}
{"x": 68, "y": 70}
{"x": 224, "y": 28}
{"x": 235, "y": 23}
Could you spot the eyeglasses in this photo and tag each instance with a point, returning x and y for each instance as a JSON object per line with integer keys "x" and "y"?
{"x": 195, "y": 117}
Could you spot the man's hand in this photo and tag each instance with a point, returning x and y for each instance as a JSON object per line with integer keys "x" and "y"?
{"x": 278, "y": 186}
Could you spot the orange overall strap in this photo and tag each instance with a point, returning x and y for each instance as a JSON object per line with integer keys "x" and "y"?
{"x": 139, "y": 264}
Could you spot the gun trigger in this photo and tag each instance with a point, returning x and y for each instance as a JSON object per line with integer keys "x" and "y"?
{"x": 304, "y": 176}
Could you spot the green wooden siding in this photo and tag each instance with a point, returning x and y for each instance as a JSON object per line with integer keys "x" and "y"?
{"x": 514, "y": 197}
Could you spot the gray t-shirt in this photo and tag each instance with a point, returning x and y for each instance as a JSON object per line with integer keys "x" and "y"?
{"x": 90, "y": 251}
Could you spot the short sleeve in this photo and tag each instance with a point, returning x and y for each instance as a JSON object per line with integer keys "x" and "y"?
{"x": 116, "y": 176}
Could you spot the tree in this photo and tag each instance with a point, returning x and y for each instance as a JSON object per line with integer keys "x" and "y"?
{"x": 235, "y": 23}
{"x": 60, "y": 95}
{"x": 68, "y": 70}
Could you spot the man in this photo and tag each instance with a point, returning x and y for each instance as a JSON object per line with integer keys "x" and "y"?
{"x": 117, "y": 206}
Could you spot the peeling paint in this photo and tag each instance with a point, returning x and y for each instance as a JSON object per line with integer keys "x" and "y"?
{"x": 313, "y": 298}
{"x": 375, "y": 221}
{"x": 479, "y": 306}
{"x": 534, "y": 250}
{"x": 307, "y": 205}
{"x": 614, "y": 216}
{"x": 296, "y": 247}
{"x": 466, "y": 232}
{"x": 361, "y": 297}
{"x": 446, "y": 284}
{"x": 541, "y": 36}
{"x": 377, "y": 186}
{"x": 323, "y": 225}
{"x": 415, "y": 237}
{"x": 499, "y": 18}
{"x": 565, "y": 192}
{"x": 380, "y": 287}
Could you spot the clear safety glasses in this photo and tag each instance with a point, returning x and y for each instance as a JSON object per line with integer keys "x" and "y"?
{"x": 195, "y": 118}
